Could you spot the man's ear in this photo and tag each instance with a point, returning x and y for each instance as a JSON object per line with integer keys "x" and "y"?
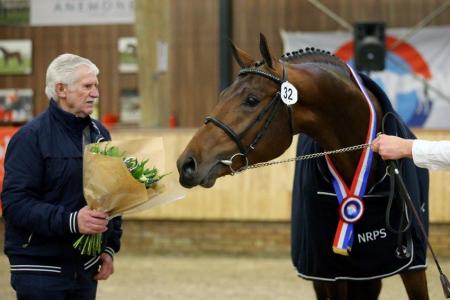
{"x": 61, "y": 90}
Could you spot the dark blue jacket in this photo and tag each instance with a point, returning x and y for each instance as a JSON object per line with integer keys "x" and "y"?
{"x": 43, "y": 191}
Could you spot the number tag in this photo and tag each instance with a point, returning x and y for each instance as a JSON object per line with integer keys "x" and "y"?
{"x": 288, "y": 93}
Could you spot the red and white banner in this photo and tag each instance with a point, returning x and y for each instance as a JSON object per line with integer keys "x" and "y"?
{"x": 416, "y": 75}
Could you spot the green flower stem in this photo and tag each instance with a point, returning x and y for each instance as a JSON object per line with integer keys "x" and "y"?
{"x": 89, "y": 244}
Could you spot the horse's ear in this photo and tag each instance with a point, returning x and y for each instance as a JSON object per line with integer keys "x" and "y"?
{"x": 264, "y": 49}
{"x": 242, "y": 58}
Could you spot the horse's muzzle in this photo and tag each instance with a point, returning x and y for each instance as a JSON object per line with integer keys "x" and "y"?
{"x": 187, "y": 168}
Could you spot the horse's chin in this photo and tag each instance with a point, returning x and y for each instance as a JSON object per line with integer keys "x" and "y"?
{"x": 208, "y": 182}
{"x": 210, "y": 179}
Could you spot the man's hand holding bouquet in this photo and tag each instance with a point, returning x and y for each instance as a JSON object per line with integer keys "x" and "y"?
{"x": 122, "y": 177}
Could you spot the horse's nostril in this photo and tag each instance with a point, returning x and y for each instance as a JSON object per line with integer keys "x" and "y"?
{"x": 189, "y": 167}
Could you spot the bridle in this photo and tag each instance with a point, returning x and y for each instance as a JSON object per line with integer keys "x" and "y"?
{"x": 272, "y": 109}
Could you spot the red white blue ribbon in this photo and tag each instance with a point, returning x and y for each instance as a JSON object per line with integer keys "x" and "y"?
{"x": 351, "y": 206}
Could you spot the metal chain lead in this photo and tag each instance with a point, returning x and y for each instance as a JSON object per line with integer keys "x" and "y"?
{"x": 303, "y": 157}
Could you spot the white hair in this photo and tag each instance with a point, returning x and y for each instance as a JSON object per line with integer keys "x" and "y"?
{"x": 63, "y": 70}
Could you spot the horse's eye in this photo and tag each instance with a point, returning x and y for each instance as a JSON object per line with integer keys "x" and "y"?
{"x": 251, "y": 101}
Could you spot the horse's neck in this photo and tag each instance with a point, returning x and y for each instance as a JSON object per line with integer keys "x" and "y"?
{"x": 350, "y": 131}
{"x": 341, "y": 120}
{"x": 3, "y": 50}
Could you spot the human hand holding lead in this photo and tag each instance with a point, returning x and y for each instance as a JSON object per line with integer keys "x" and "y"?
{"x": 392, "y": 147}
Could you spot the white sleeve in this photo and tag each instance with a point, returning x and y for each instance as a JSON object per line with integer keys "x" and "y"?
{"x": 433, "y": 155}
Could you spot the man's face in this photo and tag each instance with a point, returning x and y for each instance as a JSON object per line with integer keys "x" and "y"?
{"x": 79, "y": 97}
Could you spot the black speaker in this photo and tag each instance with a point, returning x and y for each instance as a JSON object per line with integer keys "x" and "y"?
{"x": 369, "y": 45}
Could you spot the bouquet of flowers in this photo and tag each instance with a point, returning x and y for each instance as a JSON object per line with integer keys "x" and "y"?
{"x": 116, "y": 180}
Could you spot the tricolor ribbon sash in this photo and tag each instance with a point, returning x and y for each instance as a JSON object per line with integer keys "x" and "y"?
{"x": 351, "y": 206}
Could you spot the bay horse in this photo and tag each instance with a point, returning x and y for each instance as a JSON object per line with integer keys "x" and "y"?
{"x": 8, "y": 55}
{"x": 132, "y": 48}
{"x": 251, "y": 124}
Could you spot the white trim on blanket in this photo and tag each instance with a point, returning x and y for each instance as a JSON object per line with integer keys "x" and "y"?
{"x": 406, "y": 266}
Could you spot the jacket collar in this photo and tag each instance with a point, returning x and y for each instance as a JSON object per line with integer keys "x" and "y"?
{"x": 68, "y": 120}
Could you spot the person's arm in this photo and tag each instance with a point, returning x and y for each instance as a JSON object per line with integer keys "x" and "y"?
{"x": 433, "y": 155}
{"x": 24, "y": 172}
{"x": 112, "y": 247}
{"x": 392, "y": 147}
{"x": 22, "y": 205}
{"x": 113, "y": 238}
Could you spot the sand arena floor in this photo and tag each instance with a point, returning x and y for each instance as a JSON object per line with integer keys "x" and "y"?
{"x": 142, "y": 277}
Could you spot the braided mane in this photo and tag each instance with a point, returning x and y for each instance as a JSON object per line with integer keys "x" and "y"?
{"x": 311, "y": 54}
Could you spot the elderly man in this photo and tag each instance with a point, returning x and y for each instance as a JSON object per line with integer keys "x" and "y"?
{"x": 43, "y": 203}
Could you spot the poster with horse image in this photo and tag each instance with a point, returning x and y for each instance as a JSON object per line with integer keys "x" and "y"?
{"x": 16, "y": 105}
{"x": 15, "y": 57}
{"x": 127, "y": 55}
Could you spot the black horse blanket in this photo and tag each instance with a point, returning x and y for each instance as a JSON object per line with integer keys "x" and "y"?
{"x": 315, "y": 216}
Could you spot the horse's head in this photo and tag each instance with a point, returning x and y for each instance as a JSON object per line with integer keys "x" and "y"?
{"x": 252, "y": 124}
{"x": 238, "y": 130}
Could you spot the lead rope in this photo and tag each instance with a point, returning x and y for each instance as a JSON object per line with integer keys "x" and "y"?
{"x": 444, "y": 280}
{"x": 298, "y": 158}
{"x": 394, "y": 170}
